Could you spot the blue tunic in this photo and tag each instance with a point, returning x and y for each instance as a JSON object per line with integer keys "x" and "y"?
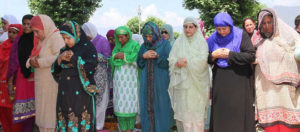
{"x": 161, "y": 100}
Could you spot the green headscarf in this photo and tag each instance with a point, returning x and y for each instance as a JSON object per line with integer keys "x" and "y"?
{"x": 130, "y": 49}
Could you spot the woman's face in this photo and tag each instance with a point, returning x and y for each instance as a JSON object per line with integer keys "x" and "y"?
{"x": 4, "y": 24}
{"x": 149, "y": 38}
{"x": 68, "y": 40}
{"x": 189, "y": 29}
{"x": 12, "y": 34}
{"x": 267, "y": 25}
{"x": 249, "y": 26}
{"x": 123, "y": 39}
{"x": 38, "y": 33}
{"x": 111, "y": 40}
{"x": 223, "y": 31}
{"x": 165, "y": 34}
{"x": 26, "y": 26}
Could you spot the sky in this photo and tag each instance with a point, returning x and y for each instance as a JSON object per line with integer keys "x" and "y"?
{"x": 115, "y": 13}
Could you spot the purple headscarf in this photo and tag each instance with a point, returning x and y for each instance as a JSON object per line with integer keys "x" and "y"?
{"x": 110, "y": 33}
{"x": 102, "y": 45}
{"x": 232, "y": 41}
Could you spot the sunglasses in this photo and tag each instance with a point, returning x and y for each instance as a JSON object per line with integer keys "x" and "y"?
{"x": 164, "y": 32}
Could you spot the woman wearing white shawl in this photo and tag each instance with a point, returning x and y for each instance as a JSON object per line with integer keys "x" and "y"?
{"x": 189, "y": 77}
{"x": 7, "y": 20}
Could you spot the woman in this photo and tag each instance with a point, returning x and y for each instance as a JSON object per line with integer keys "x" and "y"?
{"x": 6, "y": 85}
{"x": 42, "y": 56}
{"x": 125, "y": 78}
{"x": 154, "y": 99}
{"x": 101, "y": 75}
{"x": 23, "y": 108}
{"x": 277, "y": 74}
{"x": 249, "y": 26}
{"x": 167, "y": 33}
{"x": 74, "y": 71}
{"x": 111, "y": 39}
{"x": 297, "y": 24}
{"x": 5, "y": 21}
{"x": 231, "y": 54}
{"x": 189, "y": 73}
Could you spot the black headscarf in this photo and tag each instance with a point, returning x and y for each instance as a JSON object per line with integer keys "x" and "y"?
{"x": 25, "y": 45}
{"x": 85, "y": 54}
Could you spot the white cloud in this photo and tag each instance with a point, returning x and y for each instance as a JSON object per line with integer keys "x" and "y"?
{"x": 109, "y": 19}
{"x": 150, "y": 10}
{"x": 172, "y": 18}
{"x": 286, "y": 2}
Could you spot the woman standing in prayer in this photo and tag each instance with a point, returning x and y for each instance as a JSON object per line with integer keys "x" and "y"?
{"x": 5, "y": 21}
{"x": 101, "y": 75}
{"x": 231, "y": 53}
{"x": 43, "y": 54}
{"x": 6, "y": 85}
{"x": 74, "y": 71}
{"x": 249, "y": 26}
{"x": 125, "y": 78}
{"x": 167, "y": 33}
{"x": 277, "y": 74}
{"x": 111, "y": 39}
{"x": 154, "y": 99}
{"x": 189, "y": 78}
{"x": 24, "y": 107}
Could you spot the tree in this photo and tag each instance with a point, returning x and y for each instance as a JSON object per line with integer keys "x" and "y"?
{"x": 176, "y": 35}
{"x": 133, "y": 23}
{"x": 238, "y": 9}
{"x": 63, "y": 10}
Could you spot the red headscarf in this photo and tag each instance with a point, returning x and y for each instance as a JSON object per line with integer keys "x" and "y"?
{"x": 36, "y": 22}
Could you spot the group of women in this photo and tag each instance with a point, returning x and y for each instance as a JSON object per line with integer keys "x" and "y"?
{"x": 65, "y": 79}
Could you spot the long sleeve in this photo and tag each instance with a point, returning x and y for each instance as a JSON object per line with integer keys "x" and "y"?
{"x": 13, "y": 59}
{"x": 56, "y": 44}
{"x": 141, "y": 62}
{"x": 131, "y": 57}
{"x": 163, "y": 55}
{"x": 246, "y": 55}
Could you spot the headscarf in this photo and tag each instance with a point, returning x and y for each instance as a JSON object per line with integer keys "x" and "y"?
{"x": 110, "y": 33}
{"x": 25, "y": 46}
{"x": 101, "y": 44}
{"x": 45, "y": 23}
{"x": 232, "y": 41}
{"x": 10, "y": 20}
{"x": 202, "y": 29}
{"x": 5, "y": 49}
{"x": 169, "y": 29}
{"x": 151, "y": 28}
{"x": 138, "y": 38}
{"x": 130, "y": 49}
{"x": 194, "y": 76}
{"x": 275, "y": 53}
{"x": 90, "y": 30}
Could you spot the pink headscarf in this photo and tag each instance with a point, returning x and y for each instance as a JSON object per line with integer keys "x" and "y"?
{"x": 201, "y": 23}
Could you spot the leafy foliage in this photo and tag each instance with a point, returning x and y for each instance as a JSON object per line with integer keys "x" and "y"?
{"x": 133, "y": 23}
{"x": 176, "y": 35}
{"x": 238, "y": 9}
{"x": 63, "y": 10}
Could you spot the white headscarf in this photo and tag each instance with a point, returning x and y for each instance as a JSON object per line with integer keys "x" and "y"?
{"x": 138, "y": 38}
{"x": 90, "y": 30}
{"x": 10, "y": 20}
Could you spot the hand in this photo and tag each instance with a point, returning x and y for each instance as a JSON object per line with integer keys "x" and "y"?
{"x": 255, "y": 62}
{"x": 119, "y": 55}
{"x": 34, "y": 62}
{"x": 11, "y": 90}
{"x": 221, "y": 53}
{"x": 150, "y": 54}
{"x": 181, "y": 63}
{"x": 66, "y": 55}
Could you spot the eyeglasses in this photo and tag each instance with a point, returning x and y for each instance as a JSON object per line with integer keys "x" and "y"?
{"x": 164, "y": 32}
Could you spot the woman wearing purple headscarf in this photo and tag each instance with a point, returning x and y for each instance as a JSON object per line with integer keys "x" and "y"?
{"x": 231, "y": 54}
